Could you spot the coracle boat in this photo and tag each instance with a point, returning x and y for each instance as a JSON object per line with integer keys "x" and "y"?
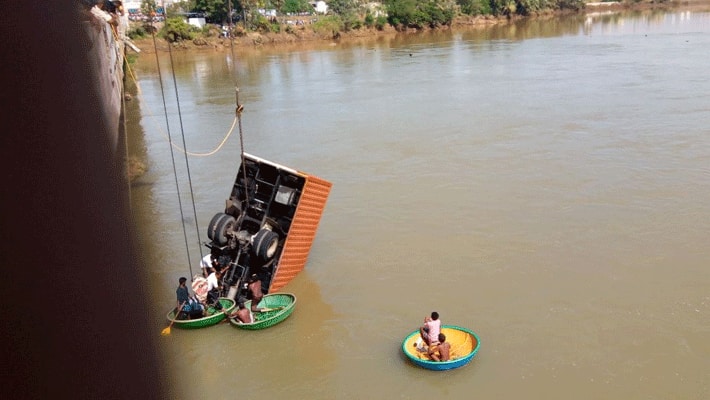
{"x": 464, "y": 346}
{"x": 213, "y": 316}
{"x": 280, "y": 306}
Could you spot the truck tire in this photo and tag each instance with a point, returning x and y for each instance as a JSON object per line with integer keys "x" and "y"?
{"x": 214, "y": 222}
{"x": 224, "y": 225}
{"x": 265, "y": 244}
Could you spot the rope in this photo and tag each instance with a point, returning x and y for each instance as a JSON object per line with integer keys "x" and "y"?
{"x": 187, "y": 163}
{"x": 240, "y": 107}
{"x": 175, "y": 145}
{"x": 172, "y": 155}
{"x": 140, "y": 96}
{"x": 183, "y": 149}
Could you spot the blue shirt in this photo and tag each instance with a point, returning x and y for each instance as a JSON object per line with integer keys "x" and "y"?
{"x": 182, "y": 295}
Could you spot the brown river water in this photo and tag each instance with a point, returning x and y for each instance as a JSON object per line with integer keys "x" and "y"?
{"x": 545, "y": 184}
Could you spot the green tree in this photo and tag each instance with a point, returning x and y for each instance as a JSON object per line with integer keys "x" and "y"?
{"x": 218, "y": 10}
{"x": 419, "y": 13}
{"x": 400, "y": 12}
{"x": 295, "y": 6}
{"x": 186, "y": 5}
{"x": 148, "y": 7}
{"x": 575, "y": 5}
{"x": 342, "y": 7}
{"x": 330, "y": 25}
{"x": 527, "y": 7}
{"x": 436, "y": 14}
{"x": 176, "y": 29}
{"x": 504, "y": 7}
{"x": 276, "y": 4}
{"x": 248, "y": 9}
{"x": 369, "y": 20}
{"x": 380, "y": 22}
{"x": 475, "y": 7}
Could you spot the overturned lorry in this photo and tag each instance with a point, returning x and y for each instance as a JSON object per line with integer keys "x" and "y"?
{"x": 267, "y": 227}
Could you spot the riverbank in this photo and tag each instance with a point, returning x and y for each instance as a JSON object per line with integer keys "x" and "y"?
{"x": 305, "y": 38}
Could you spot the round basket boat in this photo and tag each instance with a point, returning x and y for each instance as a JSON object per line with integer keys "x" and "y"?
{"x": 464, "y": 346}
{"x": 212, "y": 316}
{"x": 281, "y": 306}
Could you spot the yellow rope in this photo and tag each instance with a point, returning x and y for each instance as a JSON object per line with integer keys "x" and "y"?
{"x": 165, "y": 135}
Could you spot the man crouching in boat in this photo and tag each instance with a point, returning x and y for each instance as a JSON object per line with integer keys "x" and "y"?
{"x": 242, "y": 314}
{"x": 187, "y": 305}
{"x": 440, "y": 351}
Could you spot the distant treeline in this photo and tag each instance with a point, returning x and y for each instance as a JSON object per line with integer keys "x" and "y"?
{"x": 399, "y": 13}
{"x": 422, "y": 13}
{"x": 342, "y": 15}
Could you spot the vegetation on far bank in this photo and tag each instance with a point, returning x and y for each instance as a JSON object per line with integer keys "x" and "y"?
{"x": 299, "y": 19}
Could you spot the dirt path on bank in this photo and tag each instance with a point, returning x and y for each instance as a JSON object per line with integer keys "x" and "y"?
{"x": 304, "y": 38}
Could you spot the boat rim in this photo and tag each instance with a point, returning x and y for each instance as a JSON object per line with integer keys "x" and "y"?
{"x": 286, "y": 308}
{"x": 224, "y": 310}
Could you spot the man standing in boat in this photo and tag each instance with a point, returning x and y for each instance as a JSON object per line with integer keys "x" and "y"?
{"x": 186, "y": 303}
{"x": 213, "y": 288}
{"x": 255, "y": 292}
{"x": 207, "y": 262}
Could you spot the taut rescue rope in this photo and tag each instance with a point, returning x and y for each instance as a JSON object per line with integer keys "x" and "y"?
{"x": 240, "y": 107}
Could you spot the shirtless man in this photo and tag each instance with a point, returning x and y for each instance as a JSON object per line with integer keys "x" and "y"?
{"x": 440, "y": 351}
{"x": 254, "y": 287}
{"x": 242, "y": 314}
